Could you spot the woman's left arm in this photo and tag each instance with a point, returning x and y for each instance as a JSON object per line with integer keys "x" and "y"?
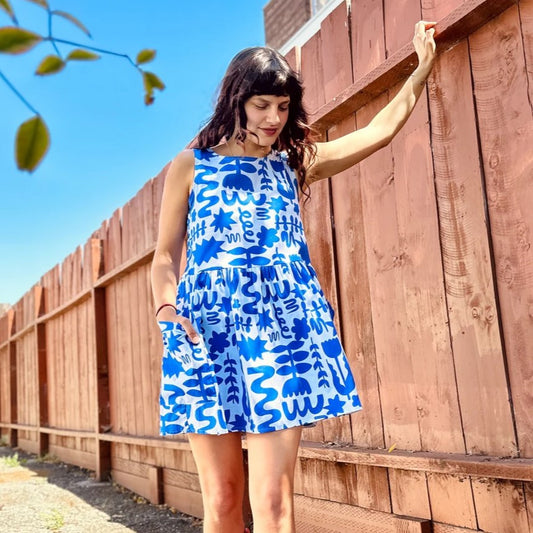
{"x": 335, "y": 156}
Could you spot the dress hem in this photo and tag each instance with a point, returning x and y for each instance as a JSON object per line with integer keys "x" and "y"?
{"x": 278, "y": 427}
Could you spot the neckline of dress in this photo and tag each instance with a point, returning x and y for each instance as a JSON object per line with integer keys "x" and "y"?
{"x": 245, "y": 157}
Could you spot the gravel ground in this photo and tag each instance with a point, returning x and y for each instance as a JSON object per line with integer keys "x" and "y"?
{"x": 42, "y": 495}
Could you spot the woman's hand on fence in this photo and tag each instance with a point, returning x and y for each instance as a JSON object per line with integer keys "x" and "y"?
{"x": 425, "y": 46}
{"x": 167, "y": 314}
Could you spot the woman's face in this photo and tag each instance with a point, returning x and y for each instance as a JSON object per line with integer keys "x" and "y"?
{"x": 266, "y": 117}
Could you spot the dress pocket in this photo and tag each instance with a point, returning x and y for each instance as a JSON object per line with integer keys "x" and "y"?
{"x": 188, "y": 371}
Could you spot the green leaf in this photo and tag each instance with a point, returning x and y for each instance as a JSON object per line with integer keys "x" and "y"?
{"x": 31, "y": 144}
{"x": 6, "y": 6}
{"x": 79, "y": 54}
{"x": 42, "y": 3}
{"x": 50, "y": 65}
{"x": 17, "y": 40}
{"x": 145, "y": 56}
{"x": 151, "y": 82}
{"x": 74, "y": 21}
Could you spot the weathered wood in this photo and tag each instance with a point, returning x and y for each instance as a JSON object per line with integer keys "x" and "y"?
{"x": 463, "y": 21}
{"x": 335, "y": 53}
{"x": 367, "y": 36}
{"x": 500, "y": 505}
{"x": 473, "y": 315}
{"x": 444, "y": 463}
{"x": 320, "y": 516}
{"x": 451, "y": 500}
{"x": 506, "y": 135}
{"x": 354, "y": 298}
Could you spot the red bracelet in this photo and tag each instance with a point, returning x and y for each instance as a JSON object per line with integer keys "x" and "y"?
{"x": 166, "y": 305}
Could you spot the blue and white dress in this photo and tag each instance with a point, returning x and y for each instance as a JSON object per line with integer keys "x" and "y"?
{"x": 269, "y": 356}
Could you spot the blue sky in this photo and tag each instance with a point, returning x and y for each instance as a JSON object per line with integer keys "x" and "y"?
{"x": 105, "y": 142}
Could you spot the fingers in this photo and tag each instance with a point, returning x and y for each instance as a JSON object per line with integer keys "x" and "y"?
{"x": 191, "y": 332}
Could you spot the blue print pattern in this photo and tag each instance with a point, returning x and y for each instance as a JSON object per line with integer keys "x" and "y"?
{"x": 269, "y": 356}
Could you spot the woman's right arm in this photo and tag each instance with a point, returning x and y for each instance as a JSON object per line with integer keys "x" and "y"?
{"x": 172, "y": 231}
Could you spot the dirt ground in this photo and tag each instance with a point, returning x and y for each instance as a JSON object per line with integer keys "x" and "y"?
{"x": 42, "y": 495}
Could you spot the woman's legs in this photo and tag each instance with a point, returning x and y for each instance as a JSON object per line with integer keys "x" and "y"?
{"x": 271, "y": 461}
{"x": 220, "y": 467}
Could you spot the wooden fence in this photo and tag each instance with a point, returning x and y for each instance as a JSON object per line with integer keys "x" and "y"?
{"x": 424, "y": 249}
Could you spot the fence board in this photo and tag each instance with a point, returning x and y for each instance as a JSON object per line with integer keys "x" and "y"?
{"x": 356, "y": 320}
{"x": 400, "y": 19}
{"x": 526, "y": 26}
{"x": 335, "y": 45}
{"x": 451, "y": 500}
{"x": 311, "y": 73}
{"x": 367, "y": 35}
{"x": 477, "y": 346}
{"x": 500, "y": 506}
{"x": 504, "y": 112}
{"x": 434, "y": 10}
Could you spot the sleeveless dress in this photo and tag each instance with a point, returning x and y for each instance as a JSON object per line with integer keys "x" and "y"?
{"x": 269, "y": 357}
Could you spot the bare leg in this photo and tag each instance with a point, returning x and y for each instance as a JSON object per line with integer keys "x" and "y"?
{"x": 271, "y": 461}
{"x": 220, "y": 467}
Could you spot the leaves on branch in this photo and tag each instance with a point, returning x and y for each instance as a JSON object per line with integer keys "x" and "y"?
{"x": 74, "y": 21}
{"x": 50, "y": 65}
{"x": 42, "y": 3}
{"x": 6, "y": 6}
{"x": 145, "y": 56}
{"x": 79, "y": 54}
{"x": 17, "y": 40}
{"x": 151, "y": 82}
{"x": 32, "y": 143}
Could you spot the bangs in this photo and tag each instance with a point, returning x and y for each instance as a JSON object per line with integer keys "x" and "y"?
{"x": 274, "y": 80}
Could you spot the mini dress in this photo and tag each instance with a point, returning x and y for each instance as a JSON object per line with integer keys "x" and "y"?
{"x": 269, "y": 356}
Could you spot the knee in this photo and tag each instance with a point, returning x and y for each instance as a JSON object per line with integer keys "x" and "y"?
{"x": 223, "y": 498}
{"x": 273, "y": 501}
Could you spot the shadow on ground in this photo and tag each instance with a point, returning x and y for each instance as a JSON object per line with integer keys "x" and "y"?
{"x": 42, "y": 495}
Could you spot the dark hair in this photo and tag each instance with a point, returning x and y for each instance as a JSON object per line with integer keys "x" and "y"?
{"x": 254, "y": 71}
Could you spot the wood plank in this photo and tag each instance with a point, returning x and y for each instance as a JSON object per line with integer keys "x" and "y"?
{"x": 400, "y": 19}
{"x": 385, "y": 252}
{"x": 354, "y": 298}
{"x": 126, "y": 362}
{"x": 460, "y": 23}
{"x": 504, "y": 113}
{"x": 472, "y": 308}
{"x": 526, "y": 25}
{"x": 112, "y": 242}
{"x": 435, "y": 10}
{"x": 320, "y": 516}
{"x": 312, "y": 75}
{"x": 146, "y": 411}
{"x": 73, "y": 456}
{"x": 451, "y": 500}
{"x": 500, "y": 506}
{"x": 115, "y": 400}
{"x": 409, "y": 494}
{"x": 443, "y": 463}
{"x": 181, "y": 479}
{"x": 184, "y": 500}
{"x": 335, "y": 44}
{"x": 294, "y": 59}
{"x": 368, "y": 36}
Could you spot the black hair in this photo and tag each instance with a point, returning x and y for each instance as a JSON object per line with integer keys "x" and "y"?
{"x": 255, "y": 71}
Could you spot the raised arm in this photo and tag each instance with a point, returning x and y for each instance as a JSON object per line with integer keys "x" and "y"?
{"x": 335, "y": 156}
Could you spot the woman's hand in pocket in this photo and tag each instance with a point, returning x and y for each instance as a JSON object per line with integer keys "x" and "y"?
{"x": 167, "y": 314}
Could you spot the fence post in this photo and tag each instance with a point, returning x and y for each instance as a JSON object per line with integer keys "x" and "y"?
{"x": 101, "y": 368}
{"x": 12, "y": 435}
{"x": 42, "y": 375}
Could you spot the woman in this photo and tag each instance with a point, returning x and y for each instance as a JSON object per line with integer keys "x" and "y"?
{"x": 250, "y": 343}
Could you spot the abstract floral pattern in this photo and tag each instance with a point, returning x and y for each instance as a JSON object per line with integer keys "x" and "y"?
{"x": 269, "y": 357}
